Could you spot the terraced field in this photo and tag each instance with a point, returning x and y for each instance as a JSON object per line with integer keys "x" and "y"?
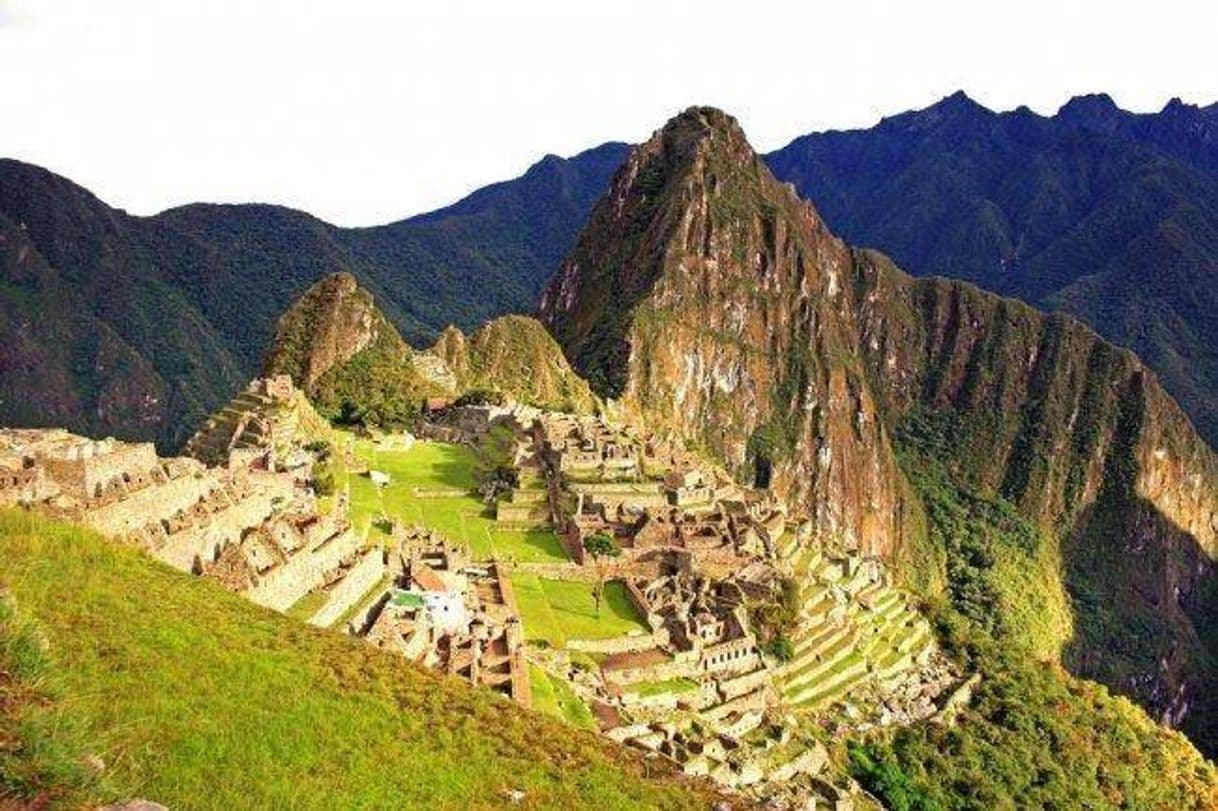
{"x": 851, "y": 632}
{"x": 555, "y": 698}
{"x": 555, "y": 611}
{"x": 432, "y": 484}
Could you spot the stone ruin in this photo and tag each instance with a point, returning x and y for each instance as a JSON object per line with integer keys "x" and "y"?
{"x": 256, "y": 531}
{"x": 450, "y": 613}
{"x": 260, "y": 428}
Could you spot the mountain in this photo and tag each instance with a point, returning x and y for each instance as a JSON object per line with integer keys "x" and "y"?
{"x": 514, "y": 355}
{"x": 714, "y": 304}
{"x": 1102, "y": 213}
{"x": 339, "y": 348}
{"x": 141, "y": 326}
{"x": 1108, "y": 215}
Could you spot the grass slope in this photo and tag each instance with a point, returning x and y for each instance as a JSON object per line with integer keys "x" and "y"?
{"x": 432, "y": 484}
{"x": 556, "y": 611}
{"x": 197, "y": 699}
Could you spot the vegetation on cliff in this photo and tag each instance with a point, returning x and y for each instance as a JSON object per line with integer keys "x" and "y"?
{"x": 514, "y": 355}
{"x": 1032, "y": 735}
{"x": 1109, "y": 215}
{"x": 338, "y": 347}
{"x": 193, "y": 697}
{"x": 142, "y": 326}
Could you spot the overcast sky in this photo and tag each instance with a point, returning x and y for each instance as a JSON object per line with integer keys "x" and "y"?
{"x": 364, "y": 112}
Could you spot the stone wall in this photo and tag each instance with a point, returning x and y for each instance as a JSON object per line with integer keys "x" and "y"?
{"x": 151, "y": 503}
{"x": 282, "y": 586}
{"x": 355, "y": 584}
{"x": 740, "y": 685}
{"x": 616, "y": 644}
{"x": 366, "y": 616}
{"x": 85, "y": 468}
{"x": 735, "y": 655}
{"x": 683, "y": 664}
{"x": 203, "y": 541}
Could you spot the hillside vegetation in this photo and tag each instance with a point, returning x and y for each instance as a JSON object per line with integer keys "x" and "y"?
{"x": 192, "y": 697}
{"x": 1106, "y": 214}
{"x": 338, "y": 347}
{"x": 142, "y": 326}
{"x": 1032, "y": 735}
{"x": 515, "y": 355}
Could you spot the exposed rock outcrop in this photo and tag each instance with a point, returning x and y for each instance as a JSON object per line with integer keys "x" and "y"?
{"x": 712, "y": 303}
{"x": 339, "y": 348}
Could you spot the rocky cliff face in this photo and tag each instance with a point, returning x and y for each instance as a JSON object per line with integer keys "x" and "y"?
{"x": 711, "y": 302}
{"x": 515, "y": 355}
{"x": 708, "y": 297}
{"x": 327, "y": 326}
{"x": 339, "y": 348}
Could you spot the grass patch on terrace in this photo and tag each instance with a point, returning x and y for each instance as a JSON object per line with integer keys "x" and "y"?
{"x": 555, "y": 611}
{"x": 555, "y": 697}
{"x": 307, "y": 606}
{"x": 677, "y": 686}
{"x": 432, "y": 485}
{"x": 196, "y": 698}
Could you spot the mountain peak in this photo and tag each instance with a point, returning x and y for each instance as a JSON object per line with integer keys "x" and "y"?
{"x": 1091, "y": 109}
{"x": 956, "y": 109}
{"x": 325, "y": 327}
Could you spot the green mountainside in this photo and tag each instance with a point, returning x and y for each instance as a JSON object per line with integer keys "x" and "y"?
{"x": 1109, "y": 215}
{"x": 339, "y": 348}
{"x": 142, "y": 326}
{"x": 121, "y": 678}
{"x": 515, "y": 355}
{"x": 345, "y": 355}
{"x": 714, "y": 304}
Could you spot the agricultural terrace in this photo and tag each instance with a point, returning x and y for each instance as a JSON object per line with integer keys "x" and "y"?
{"x": 432, "y": 484}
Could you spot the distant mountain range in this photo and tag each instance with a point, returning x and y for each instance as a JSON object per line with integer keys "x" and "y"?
{"x": 1109, "y": 215}
{"x": 140, "y": 326}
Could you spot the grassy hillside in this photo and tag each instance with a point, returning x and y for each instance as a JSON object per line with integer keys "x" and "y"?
{"x": 197, "y": 699}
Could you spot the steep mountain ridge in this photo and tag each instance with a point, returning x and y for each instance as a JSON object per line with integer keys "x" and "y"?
{"x": 712, "y": 302}
{"x": 339, "y": 348}
{"x": 1109, "y": 215}
{"x": 514, "y": 355}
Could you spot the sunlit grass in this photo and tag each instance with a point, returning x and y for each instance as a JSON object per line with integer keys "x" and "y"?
{"x": 198, "y": 699}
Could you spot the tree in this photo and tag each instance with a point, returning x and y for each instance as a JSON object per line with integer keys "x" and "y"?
{"x": 494, "y": 469}
{"x": 601, "y": 546}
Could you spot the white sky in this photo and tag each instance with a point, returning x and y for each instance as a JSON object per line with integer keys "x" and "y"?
{"x": 365, "y": 112}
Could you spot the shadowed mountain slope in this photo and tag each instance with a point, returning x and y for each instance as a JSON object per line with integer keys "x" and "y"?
{"x": 141, "y": 326}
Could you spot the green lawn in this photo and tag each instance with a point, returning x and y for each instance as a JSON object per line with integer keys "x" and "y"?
{"x": 196, "y": 698}
{"x": 421, "y": 488}
{"x": 654, "y": 688}
{"x": 556, "y": 698}
{"x": 558, "y": 610}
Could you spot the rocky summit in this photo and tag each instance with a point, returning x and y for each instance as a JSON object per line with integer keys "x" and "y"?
{"x": 706, "y": 297}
